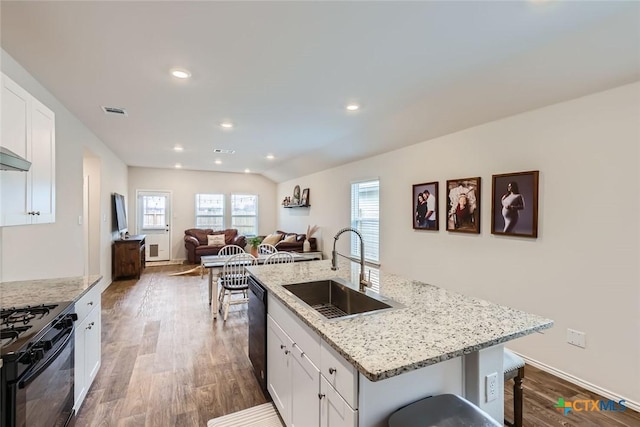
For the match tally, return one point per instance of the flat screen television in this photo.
(119, 214)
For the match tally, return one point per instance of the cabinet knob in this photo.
(321, 396)
(282, 346)
(90, 325)
(287, 352)
(332, 371)
(90, 303)
(37, 212)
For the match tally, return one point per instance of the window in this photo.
(244, 214)
(210, 211)
(365, 217)
(154, 209)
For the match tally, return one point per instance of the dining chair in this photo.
(226, 251)
(234, 280)
(266, 249)
(279, 258)
(230, 250)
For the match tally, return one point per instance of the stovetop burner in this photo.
(24, 314)
(20, 323)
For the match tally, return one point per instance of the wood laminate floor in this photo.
(165, 363)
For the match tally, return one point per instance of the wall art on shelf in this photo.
(463, 205)
(296, 195)
(425, 206)
(304, 200)
(514, 204)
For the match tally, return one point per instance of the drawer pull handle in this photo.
(90, 303)
(332, 371)
(282, 346)
(321, 396)
(286, 352)
(90, 325)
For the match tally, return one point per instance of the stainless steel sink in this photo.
(336, 300)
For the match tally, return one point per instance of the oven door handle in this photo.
(32, 373)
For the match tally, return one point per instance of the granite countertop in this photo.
(45, 291)
(435, 325)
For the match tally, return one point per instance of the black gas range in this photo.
(37, 349)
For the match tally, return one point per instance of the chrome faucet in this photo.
(364, 283)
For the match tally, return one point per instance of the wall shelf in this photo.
(296, 206)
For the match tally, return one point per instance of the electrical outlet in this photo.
(491, 387)
(577, 338)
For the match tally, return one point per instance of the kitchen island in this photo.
(439, 342)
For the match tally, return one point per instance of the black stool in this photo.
(514, 369)
(444, 410)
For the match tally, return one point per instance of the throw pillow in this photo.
(215, 240)
(290, 239)
(272, 239)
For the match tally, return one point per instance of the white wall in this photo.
(582, 270)
(57, 250)
(185, 184)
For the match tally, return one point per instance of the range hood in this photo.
(10, 161)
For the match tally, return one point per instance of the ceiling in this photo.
(283, 72)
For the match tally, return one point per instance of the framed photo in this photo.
(425, 206)
(296, 195)
(305, 197)
(463, 205)
(514, 204)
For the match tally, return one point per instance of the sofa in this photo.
(196, 242)
(291, 242)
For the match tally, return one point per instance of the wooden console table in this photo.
(128, 257)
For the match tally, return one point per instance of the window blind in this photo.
(210, 211)
(365, 217)
(153, 212)
(244, 213)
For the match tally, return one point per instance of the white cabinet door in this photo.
(305, 408)
(28, 129)
(92, 344)
(16, 136)
(87, 354)
(278, 369)
(334, 411)
(43, 167)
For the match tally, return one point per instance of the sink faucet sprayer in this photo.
(334, 256)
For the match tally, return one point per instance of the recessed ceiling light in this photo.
(180, 73)
(247, 171)
(178, 165)
(226, 125)
(270, 156)
(178, 148)
(218, 162)
(353, 107)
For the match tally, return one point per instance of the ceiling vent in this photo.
(114, 110)
(221, 151)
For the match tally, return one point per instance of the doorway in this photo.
(154, 221)
(91, 213)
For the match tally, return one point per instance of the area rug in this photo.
(264, 415)
(195, 271)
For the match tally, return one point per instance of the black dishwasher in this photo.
(258, 332)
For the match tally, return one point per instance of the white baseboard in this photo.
(582, 383)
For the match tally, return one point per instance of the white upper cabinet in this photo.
(28, 129)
